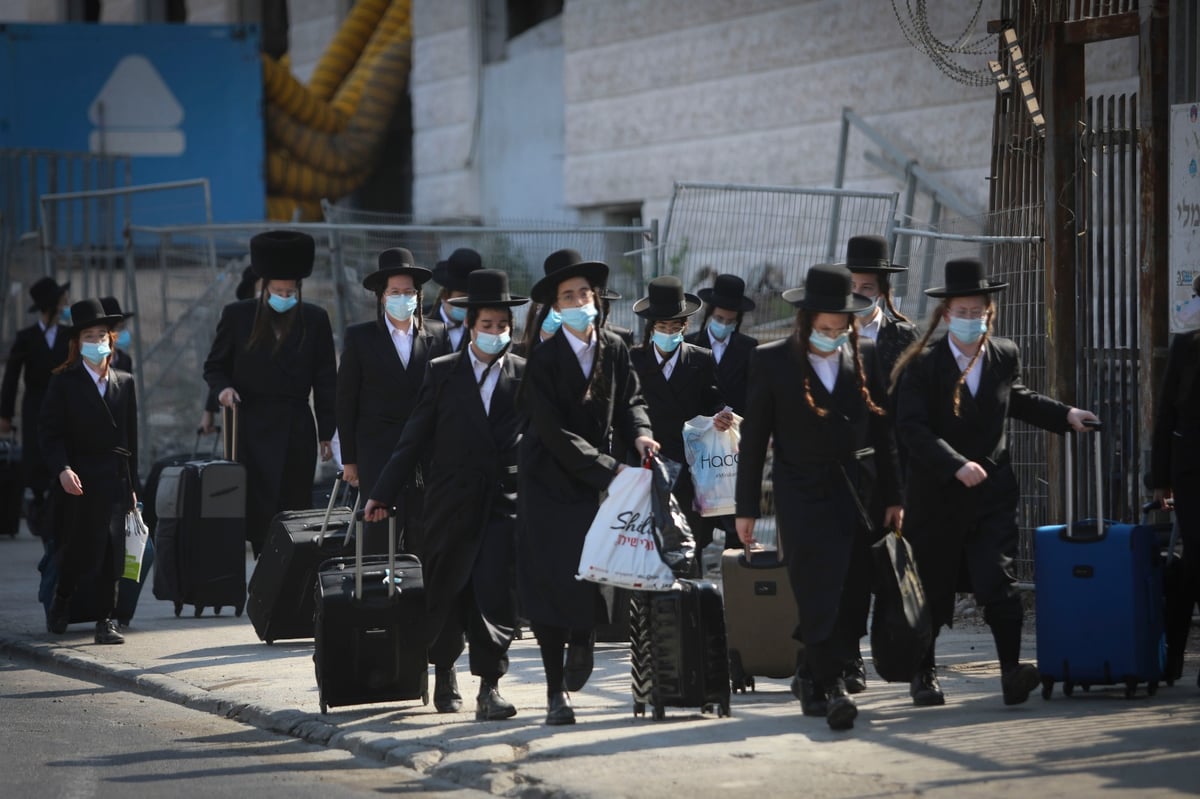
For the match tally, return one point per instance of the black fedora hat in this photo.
(90, 313)
(487, 288)
(563, 265)
(46, 293)
(869, 254)
(111, 307)
(451, 274)
(965, 278)
(245, 287)
(728, 292)
(666, 299)
(396, 261)
(827, 289)
(282, 255)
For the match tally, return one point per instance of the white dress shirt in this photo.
(454, 329)
(871, 329)
(402, 340)
(826, 368)
(671, 361)
(718, 347)
(50, 332)
(101, 382)
(585, 351)
(489, 386)
(962, 360)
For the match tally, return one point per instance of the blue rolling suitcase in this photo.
(1099, 600)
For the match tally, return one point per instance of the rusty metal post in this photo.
(1153, 126)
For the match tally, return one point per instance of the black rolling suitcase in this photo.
(12, 485)
(369, 643)
(678, 649)
(280, 601)
(150, 487)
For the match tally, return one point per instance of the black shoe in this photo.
(1018, 682)
(490, 706)
(855, 677)
(812, 701)
(106, 633)
(841, 710)
(446, 698)
(559, 710)
(580, 661)
(925, 690)
(59, 615)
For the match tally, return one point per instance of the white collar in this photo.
(96, 378)
(659, 356)
(580, 346)
(477, 364)
(393, 329)
(959, 354)
(876, 323)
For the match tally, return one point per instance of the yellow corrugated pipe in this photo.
(290, 96)
(285, 209)
(303, 182)
(339, 58)
(395, 25)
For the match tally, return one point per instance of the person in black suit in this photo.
(954, 400)
(578, 386)
(120, 356)
(726, 305)
(1175, 474)
(247, 288)
(88, 430)
(467, 420)
(451, 276)
(679, 382)
(383, 364)
(819, 393)
(35, 352)
(269, 355)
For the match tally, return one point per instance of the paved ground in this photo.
(974, 746)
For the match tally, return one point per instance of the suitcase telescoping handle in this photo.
(216, 432)
(358, 552)
(338, 481)
(230, 439)
(1069, 532)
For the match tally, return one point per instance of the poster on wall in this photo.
(1184, 247)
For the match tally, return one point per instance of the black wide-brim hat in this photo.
(91, 313)
(869, 255)
(665, 299)
(45, 293)
(451, 274)
(827, 289)
(282, 255)
(112, 306)
(728, 292)
(965, 277)
(487, 288)
(245, 287)
(563, 265)
(396, 261)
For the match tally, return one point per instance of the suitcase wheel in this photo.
(217, 610)
(238, 611)
(639, 709)
(178, 608)
(1130, 688)
(750, 683)
(199, 611)
(1151, 688)
(425, 697)
(660, 712)
(324, 708)
(1068, 688)
(270, 641)
(1047, 687)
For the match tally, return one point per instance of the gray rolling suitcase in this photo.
(760, 616)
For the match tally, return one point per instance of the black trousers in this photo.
(484, 612)
(828, 659)
(90, 531)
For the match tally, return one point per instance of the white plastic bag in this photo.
(136, 534)
(619, 549)
(712, 458)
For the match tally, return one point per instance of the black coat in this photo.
(438, 326)
(471, 474)
(376, 393)
(1176, 438)
(277, 439)
(565, 465)
(817, 517)
(733, 368)
(938, 508)
(895, 336)
(32, 356)
(122, 360)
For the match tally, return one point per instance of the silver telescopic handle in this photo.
(358, 552)
(1069, 448)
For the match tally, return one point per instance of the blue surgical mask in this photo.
(579, 319)
(667, 342)
(552, 322)
(458, 314)
(124, 339)
(869, 310)
(400, 306)
(94, 352)
(281, 304)
(968, 331)
(720, 330)
(824, 343)
(65, 315)
(492, 343)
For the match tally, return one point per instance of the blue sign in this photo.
(184, 101)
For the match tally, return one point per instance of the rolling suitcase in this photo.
(677, 649)
(369, 637)
(150, 488)
(1099, 600)
(280, 601)
(12, 485)
(760, 616)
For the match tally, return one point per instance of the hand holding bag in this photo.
(136, 535)
(620, 548)
(712, 457)
(901, 629)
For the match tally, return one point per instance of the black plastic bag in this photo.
(901, 629)
(672, 534)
